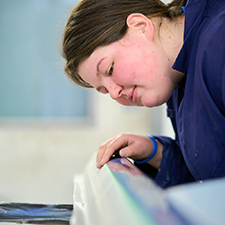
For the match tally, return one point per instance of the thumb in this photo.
(123, 152)
(127, 151)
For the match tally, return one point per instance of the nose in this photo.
(114, 90)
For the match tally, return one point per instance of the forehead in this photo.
(90, 63)
(88, 68)
(96, 57)
(110, 52)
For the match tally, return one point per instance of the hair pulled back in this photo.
(95, 23)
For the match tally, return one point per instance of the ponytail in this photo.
(175, 8)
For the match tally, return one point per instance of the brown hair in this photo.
(95, 23)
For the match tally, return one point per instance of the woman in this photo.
(146, 53)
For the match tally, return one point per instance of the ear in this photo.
(141, 23)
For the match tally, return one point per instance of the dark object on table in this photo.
(35, 213)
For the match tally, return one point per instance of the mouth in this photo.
(133, 94)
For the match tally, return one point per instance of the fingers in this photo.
(107, 149)
(128, 145)
(101, 151)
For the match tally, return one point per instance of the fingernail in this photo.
(98, 165)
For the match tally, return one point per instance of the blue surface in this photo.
(194, 203)
(146, 194)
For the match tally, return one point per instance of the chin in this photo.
(151, 104)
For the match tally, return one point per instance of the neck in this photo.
(170, 35)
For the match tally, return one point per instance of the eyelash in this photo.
(111, 70)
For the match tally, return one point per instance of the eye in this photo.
(110, 72)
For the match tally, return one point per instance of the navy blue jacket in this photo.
(197, 106)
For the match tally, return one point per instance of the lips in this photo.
(133, 94)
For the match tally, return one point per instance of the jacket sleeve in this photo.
(172, 170)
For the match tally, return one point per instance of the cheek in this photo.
(143, 67)
(126, 73)
(126, 66)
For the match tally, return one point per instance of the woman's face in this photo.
(135, 71)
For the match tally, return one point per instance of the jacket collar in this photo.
(194, 14)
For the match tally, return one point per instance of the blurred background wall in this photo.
(49, 127)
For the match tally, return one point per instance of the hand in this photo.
(138, 147)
